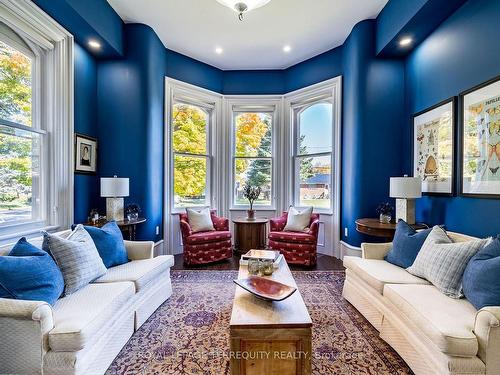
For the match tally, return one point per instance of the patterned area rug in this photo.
(189, 333)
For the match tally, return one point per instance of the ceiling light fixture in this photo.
(94, 44)
(218, 50)
(243, 6)
(287, 48)
(405, 41)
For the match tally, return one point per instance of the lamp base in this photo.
(114, 209)
(405, 210)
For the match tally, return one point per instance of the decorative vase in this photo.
(385, 219)
(251, 214)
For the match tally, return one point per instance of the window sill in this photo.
(31, 232)
(243, 208)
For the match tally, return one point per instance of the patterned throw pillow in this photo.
(77, 258)
(442, 261)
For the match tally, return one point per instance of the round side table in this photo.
(249, 234)
(373, 227)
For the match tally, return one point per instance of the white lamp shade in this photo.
(406, 187)
(114, 187)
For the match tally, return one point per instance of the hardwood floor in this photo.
(324, 263)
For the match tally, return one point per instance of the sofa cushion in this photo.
(481, 282)
(76, 257)
(29, 273)
(294, 237)
(82, 316)
(406, 244)
(109, 243)
(445, 321)
(442, 261)
(140, 272)
(205, 237)
(377, 273)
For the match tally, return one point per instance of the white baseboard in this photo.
(349, 250)
(159, 248)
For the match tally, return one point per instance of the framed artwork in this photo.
(434, 148)
(480, 140)
(85, 154)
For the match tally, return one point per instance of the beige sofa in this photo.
(433, 333)
(83, 332)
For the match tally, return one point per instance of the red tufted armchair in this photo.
(297, 247)
(206, 247)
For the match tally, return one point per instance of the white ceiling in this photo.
(196, 27)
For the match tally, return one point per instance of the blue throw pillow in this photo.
(481, 284)
(406, 245)
(30, 273)
(109, 243)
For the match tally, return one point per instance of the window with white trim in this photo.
(253, 151)
(313, 154)
(191, 154)
(36, 122)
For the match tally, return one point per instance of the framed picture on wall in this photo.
(434, 148)
(85, 154)
(480, 140)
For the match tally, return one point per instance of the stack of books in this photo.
(275, 256)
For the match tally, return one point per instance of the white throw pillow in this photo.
(298, 221)
(200, 221)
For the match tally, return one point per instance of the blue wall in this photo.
(130, 117)
(460, 54)
(86, 186)
(373, 110)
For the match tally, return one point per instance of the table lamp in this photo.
(114, 189)
(405, 190)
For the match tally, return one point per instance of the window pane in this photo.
(15, 85)
(19, 175)
(190, 181)
(189, 124)
(315, 130)
(256, 172)
(253, 134)
(315, 181)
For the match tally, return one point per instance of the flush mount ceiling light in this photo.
(243, 6)
(287, 48)
(94, 44)
(405, 41)
(218, 50)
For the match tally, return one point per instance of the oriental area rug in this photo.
(189, 333)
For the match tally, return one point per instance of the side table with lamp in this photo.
(406, 190)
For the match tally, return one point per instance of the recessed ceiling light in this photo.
(94, 44)
(218, 50)
(287, 48)
(405, 41)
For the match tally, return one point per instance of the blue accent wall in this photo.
(253, 82)
(373, 111)
(85, 111)
(460, 54)
(130, 117)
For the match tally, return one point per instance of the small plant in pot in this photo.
(251, 193)
(385, 212)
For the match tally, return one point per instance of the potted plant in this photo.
(385, 212)
(251, 193)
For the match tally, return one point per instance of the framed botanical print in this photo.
(434, 148)
(480, 140)
(85, 154)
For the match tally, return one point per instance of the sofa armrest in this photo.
(27, 324)
(375, 250)
(137, 250)
(487, 331)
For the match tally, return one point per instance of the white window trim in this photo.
(330, 90)
(55, 111)
(178, 91)
(252, 103)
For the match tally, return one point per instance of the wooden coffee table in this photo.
(270, 337)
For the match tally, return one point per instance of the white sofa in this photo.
(83, 332)
(433, 333)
